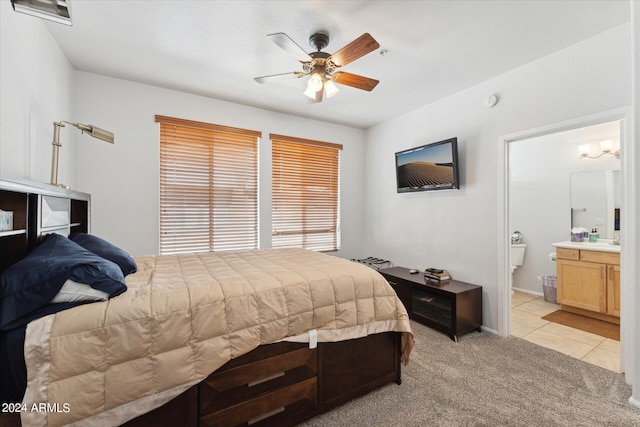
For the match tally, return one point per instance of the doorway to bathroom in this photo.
(541, 170)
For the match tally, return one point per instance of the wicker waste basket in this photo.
(549, 287)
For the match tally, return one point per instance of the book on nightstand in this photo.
(436, 275)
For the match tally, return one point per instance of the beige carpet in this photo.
(584, 323)
(486, 380)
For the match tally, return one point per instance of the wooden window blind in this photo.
(208, 187)
(305, 194)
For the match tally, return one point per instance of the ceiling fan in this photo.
(323, 67)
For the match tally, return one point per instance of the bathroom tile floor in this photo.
(526, 323)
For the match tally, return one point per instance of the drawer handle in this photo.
(265, 416)
(393, 283)
(265, 379)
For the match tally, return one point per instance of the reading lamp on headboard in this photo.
(95, 132)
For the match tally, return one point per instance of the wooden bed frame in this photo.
(278, 384)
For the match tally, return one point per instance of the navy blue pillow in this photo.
(106, 250)
(33, 281)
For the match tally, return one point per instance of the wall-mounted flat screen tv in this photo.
(428, 167)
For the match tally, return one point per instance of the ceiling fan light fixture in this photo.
(310, 92)
(330, 88)
(314, 85)
(315, 82)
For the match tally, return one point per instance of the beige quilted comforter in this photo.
(185, 316)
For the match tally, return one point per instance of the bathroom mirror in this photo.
(595, 201)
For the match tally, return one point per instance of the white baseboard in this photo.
(527, 291)
(489, 330)
(634, 402)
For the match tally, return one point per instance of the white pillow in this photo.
(73, 292)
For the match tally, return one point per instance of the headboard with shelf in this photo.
(38, 209)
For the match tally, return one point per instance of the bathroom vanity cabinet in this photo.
(589, 282)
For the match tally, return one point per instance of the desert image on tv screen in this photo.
(425, 168)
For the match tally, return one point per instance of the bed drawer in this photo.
(272, 408)
(273, 381)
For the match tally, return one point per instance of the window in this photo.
(208, 187)
(305, 194)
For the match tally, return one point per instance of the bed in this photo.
(261, 337)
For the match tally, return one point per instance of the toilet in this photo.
(516, 256)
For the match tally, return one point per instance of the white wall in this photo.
(36, 86)
(457, 229)
(539, 194)
(123, 178)
(630, 337)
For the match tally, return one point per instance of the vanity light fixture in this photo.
(94, 131)
(52, 10)
(606, 146)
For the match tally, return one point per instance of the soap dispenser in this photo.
(594, 236)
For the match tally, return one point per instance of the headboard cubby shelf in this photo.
(38, 209)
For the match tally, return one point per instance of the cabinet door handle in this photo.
(393, 283)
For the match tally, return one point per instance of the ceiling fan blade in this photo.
(354, 80)
(288, 45)
(267, 79)
(354, 50)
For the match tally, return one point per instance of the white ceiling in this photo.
(216, 48)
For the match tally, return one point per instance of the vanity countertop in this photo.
(602, 245)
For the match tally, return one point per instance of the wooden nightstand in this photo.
(454, 307)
